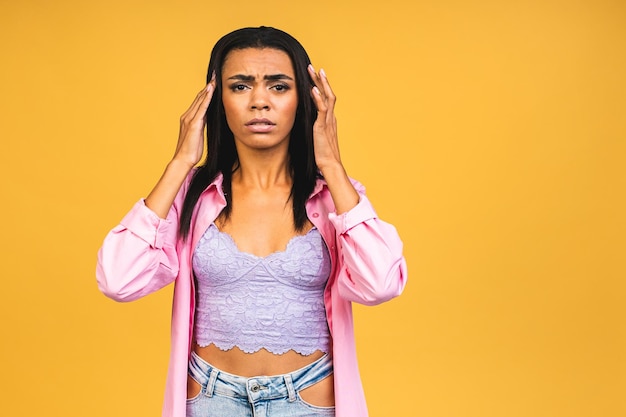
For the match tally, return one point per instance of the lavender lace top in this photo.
(274, 302)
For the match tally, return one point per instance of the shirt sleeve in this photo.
(139, 255)
(372, 268)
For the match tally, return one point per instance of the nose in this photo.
(259, 99)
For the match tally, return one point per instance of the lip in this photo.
(260, 125)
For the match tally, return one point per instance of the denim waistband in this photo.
(215, 381)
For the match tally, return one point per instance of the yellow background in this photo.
(491, 133)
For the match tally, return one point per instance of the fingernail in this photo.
(213, 75)
(311, 67)
(316, 91)
(323, 72)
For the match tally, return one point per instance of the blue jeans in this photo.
(226, 395)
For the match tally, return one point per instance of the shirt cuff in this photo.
(145, 223)
(360, 213)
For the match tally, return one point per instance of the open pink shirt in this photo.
(143, 254)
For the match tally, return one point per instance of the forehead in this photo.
(257, 62)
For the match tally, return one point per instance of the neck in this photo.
(263, 170)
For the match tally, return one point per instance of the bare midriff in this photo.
(237, 362)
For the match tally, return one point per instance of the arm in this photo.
(371, 266)
(326, 145)
(139, 255)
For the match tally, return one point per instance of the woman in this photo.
(268, 243)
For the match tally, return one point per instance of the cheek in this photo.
(291, 107)
(226, 103)
(230, 109)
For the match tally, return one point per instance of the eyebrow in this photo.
(273, 77)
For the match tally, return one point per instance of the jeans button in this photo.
(255, 388)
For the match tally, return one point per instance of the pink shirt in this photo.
(143, 254)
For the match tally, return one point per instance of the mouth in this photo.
(260, 126)
(260, 122)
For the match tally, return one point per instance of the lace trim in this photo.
(225, 347)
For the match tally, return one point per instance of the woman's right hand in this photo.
(192, 124)
(188, 153)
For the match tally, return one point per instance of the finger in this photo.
(200, 96)
(327, 91)
(194, 104)
(206, 99)
(200, 103)
(316, 79)
(317, 90)
(204, 104)
(320, 103)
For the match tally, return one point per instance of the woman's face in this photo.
(260, 97)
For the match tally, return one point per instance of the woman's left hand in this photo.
(325, 128)
(326, 144)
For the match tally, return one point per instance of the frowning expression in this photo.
(260, 97)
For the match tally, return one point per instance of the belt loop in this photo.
(290, 388)
(210, 386)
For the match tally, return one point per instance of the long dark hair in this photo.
(221, 152)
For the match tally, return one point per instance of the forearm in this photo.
(162, 196)
(344, 195)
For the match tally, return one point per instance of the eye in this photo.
(238, 87)
(280, 87)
